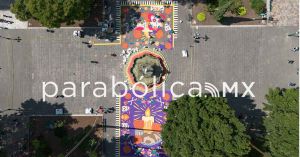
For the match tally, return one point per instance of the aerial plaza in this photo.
(149, 78)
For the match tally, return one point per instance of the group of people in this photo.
(6, 21)
(105, 110)
(295, 50)
(197, 37)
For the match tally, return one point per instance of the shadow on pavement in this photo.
(247, 112)
(5, 4)
(252, 118)
(231, 20)
(59, 134)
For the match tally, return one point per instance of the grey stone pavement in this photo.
(285, 14)
(232, 54)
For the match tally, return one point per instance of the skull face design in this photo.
(155, 22)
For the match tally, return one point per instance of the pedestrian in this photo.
(18, 39)
(95, 62)
(50, 30)
(90, 43)
(92, 110)
(60, 96)
(291, 61)
(291, 84)
(7, 16)
(295, 49)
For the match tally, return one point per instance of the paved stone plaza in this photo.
(256, 54)
(231, 54)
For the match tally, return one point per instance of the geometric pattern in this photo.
(140, 123)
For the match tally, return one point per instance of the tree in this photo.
(282, 122)
(220, 7)
(19, 8)
(258, 5)
(41, 147)
(51, 13)
(221, 10)
(203, 127)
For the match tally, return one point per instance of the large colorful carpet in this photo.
(147, 25)
(141, 120)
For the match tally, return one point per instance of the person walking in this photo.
(291, 84)
(295, 49)
(94, 62)
(291, 61)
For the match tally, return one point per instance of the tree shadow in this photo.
(247, 112)
(129, 18)
(251, 117)
(231, 20)
(31, 107)
(103, 23)
(15, 125)
(98, 34)
(189, 2)
(60, 134)
(109, 147)
(5, 4)
(95, 15)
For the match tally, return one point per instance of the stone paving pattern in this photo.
(258, 54)
(285, 13)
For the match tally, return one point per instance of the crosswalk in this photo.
(175, 16)
(117, 150)
(118, 19)
(124, 3)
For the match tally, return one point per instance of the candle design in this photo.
(148, 120)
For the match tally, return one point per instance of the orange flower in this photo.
(145, 15)
(168, 10)
(159, 34)
(124, 45)
(128, 96)
(167, 97)
(137, 34)
(168, 45)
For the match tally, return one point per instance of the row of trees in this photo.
(51, 13)
(208, 127)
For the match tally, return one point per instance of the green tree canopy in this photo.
(221, 7)
(203, 127)
(282, 122)
(51, 13)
